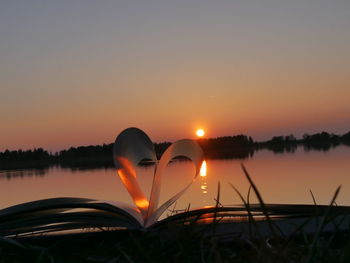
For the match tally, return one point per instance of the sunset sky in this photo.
(79, 72)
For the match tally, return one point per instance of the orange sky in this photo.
(78, 73)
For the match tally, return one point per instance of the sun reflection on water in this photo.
(203, 170)
(204, 185)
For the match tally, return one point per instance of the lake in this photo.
(281, 178)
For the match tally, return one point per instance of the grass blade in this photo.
(321, 226)
(261, 202)
(250, 215)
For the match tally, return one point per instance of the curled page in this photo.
(133, 146)
(186, 148)
(130, 148)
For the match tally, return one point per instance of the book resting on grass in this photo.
(132, 147)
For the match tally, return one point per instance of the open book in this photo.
(131, 147)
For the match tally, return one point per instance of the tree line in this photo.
(238, 146)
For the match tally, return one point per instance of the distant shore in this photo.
(227, 147)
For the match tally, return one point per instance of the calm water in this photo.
(284, 178)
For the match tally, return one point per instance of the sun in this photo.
(200, 132)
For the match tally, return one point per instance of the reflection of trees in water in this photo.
(87, 165)
(322, 141)
(100, 156)
(11, 174)
(228, 147)
(316, 142)
(282, 144)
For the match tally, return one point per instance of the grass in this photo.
(185, 239)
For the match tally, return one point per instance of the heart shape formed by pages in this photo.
(133, 146)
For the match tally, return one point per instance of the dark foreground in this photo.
(264, 233)
(177, 244)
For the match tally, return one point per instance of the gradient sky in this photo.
(78, 72)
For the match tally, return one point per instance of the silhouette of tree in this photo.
(238, 146)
